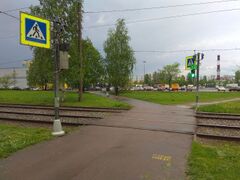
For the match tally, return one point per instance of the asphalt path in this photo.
(149, 142)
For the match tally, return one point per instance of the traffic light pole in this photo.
(198, 66)
(57, 126)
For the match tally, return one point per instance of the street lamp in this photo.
(144, 62)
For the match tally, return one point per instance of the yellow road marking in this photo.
(161, 157)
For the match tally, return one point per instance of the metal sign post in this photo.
(57, 126)
(199, 56)
(35, 31)
(198, 64)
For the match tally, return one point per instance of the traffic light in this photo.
(193, 75)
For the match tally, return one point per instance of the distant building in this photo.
(222, 78)
(20, 72)
(228, 77)
(211, 77)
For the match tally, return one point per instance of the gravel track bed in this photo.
(218, 117)
(86, 109)
(218, 131)
(48, 118)
(219, 122)
(51, 112)
(218, 114)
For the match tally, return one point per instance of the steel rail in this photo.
(83, 109)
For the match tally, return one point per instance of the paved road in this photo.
(128, 149)
(150, 116)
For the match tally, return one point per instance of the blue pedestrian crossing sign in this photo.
(190, 62)
(34, 31)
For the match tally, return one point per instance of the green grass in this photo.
(171, 98)
(214, 162)
(46, 98)
(229, 107)
(13, 138)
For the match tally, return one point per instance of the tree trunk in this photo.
(169, 83)
(116, 91)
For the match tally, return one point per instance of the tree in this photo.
(93, 66)
(7, 81)
(237, 76)
(14, 78)
(67, 12)
(170, 72)
(162, 77)
(40, 72)
(155, 78)
(181, 80)
(148, 79)
(119, 56)
(203, 81)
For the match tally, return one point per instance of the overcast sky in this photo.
(211, 31)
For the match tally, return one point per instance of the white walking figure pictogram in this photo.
(35, 32)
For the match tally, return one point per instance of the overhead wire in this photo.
(17, 9)
(140, 9)
(186, 50)
(166, 17)
(159, 7)
(7, 14)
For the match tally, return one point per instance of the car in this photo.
(148, 88)
(97, 88)
(234, 88)
(221, 88)
(104, 89)
(183, 88)
(36, 89)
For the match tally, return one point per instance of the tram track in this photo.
(68, 108)
(220, 126)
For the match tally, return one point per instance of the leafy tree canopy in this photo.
(119, 56)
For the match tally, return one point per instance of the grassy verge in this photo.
(214, 162)
(171, 98)
(46, 98)
(229, 107)
(13, 138)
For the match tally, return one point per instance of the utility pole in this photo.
(197, 93)
(144, 62)
(80, 48)
(57, 126)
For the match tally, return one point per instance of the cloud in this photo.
(101, 20)
(220, 30)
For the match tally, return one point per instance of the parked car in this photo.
(36, 89)
(234, 88)
(148, 88)
(137, 88)
(221, 88)
(190, 87)
(183, 88)
(104, 89)
(175, 87)
(97, 88)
